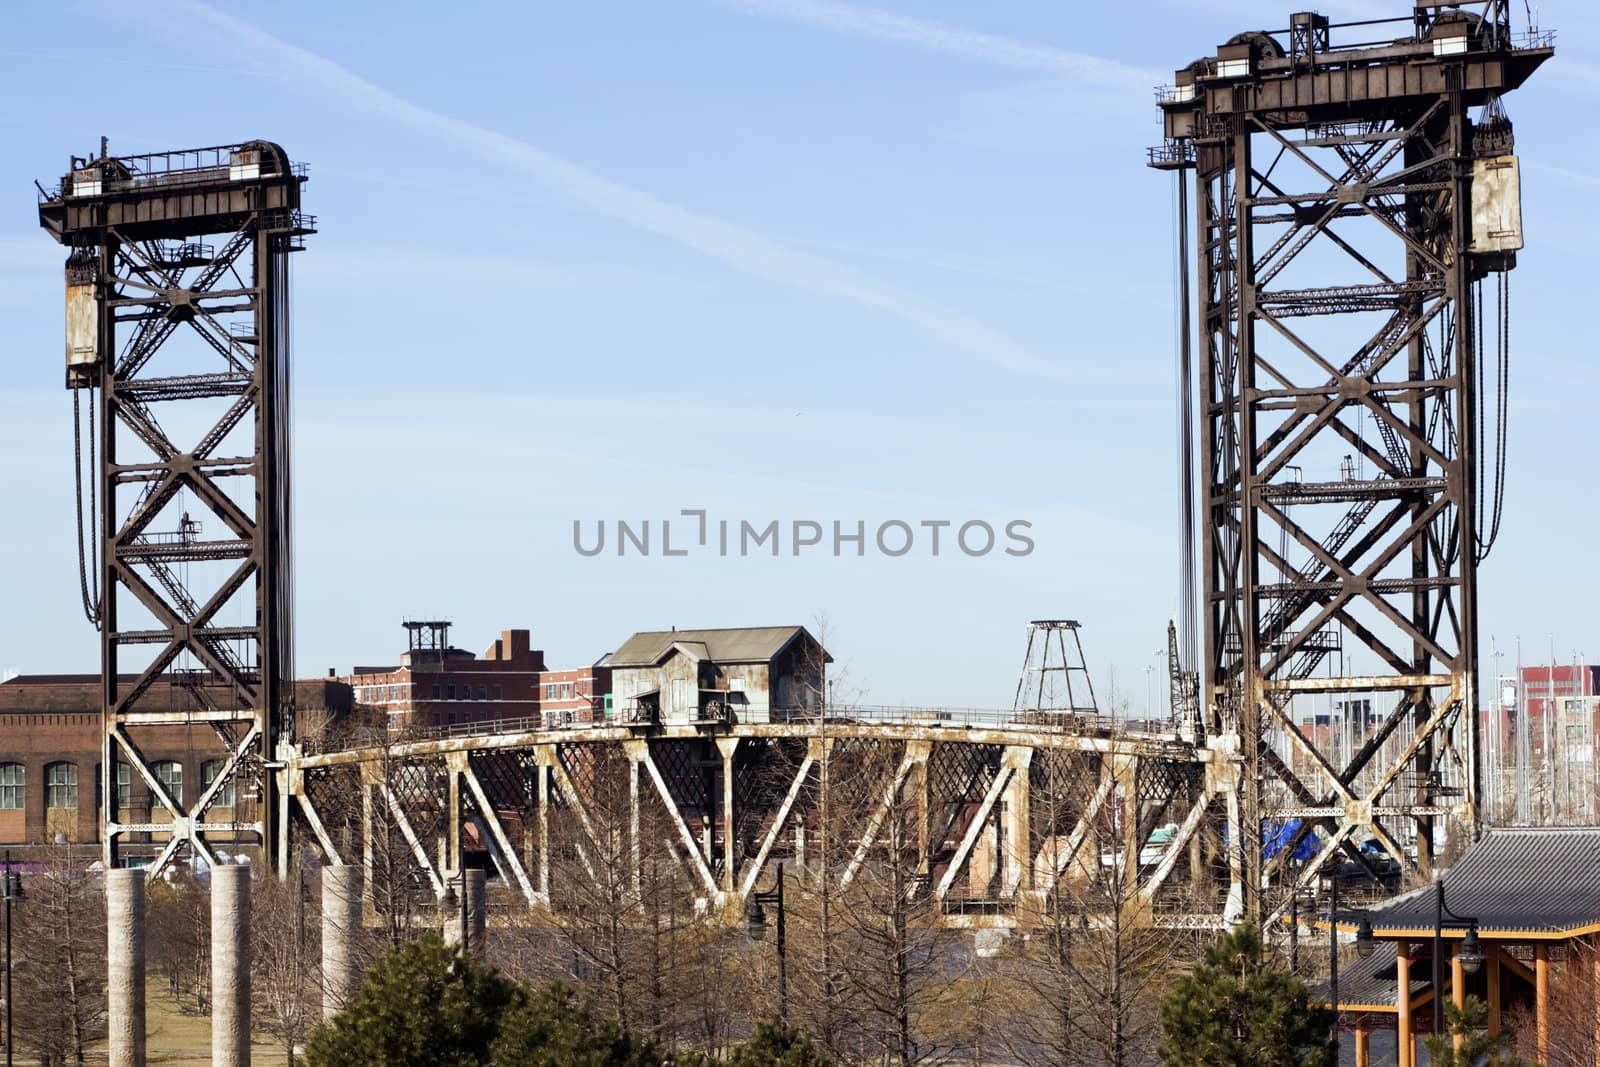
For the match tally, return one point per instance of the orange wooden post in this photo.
(1595, 994)
(1404, 1049)
(1541, 998)
(1458, 989)
(1363, 1045)
(1493, 982)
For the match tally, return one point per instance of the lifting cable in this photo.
(89, 588)
(1494, 501)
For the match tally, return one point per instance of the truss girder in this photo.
(198, 329)
(1389, 565)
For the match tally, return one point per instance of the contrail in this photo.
(735, 246)
(954, 40)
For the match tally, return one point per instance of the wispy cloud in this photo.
(1566, 173)
(953, 40)
(735, 246)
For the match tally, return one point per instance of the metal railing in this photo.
(1078, 723)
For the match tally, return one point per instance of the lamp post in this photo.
(1470, 953)
(1333, 956)
(756, 923)
(12, 890)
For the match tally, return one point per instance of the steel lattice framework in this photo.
(178, 302)
(1004, 812)
(1309, 162)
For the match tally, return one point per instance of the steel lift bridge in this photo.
(177, 352)
(1346, 195)
(177, 357)
(985, 816)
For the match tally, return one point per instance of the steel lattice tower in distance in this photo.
(1352, 187)
(178, 332)
(1055, 678)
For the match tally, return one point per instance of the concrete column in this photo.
(230, 966)
(341, 920)
(125, 967)
(451, 927)
(728, 747)
(476, 885)
(1405, 1047)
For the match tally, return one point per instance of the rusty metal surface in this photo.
(1332, 171)
(138, 277)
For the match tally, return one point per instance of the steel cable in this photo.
(91, 603)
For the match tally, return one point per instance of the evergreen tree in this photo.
(1477, 1046)
(554, 1029)
(776, 1045)
(1237, 1009)
(423, 1005)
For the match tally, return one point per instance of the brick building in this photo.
(50, 735)
(570, 697)
(439, 686)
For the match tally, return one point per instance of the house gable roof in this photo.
(751, 644)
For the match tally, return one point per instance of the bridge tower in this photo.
(177, 350)
(1354, 194)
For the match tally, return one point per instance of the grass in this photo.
(174, 1038)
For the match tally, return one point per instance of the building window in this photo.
(61, 786)
(483, 692)
(550, 691)
(13, 786)
(436, 690)
(124, 787)
(498, 692)
(450, 691)
(170, 774)
(208, 774)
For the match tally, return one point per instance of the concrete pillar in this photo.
(451, 927)
(341, 920)
(230, 966)
(476, 884)
(728, 747)
(125, 967)
(1405, 1047)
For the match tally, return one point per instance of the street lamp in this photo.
(11, 890)
(756, 925)
(1333, 945)
(1470, 953)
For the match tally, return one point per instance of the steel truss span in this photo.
(178, 348)
(1350, 196)
(985, 824)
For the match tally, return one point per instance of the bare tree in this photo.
(59, 981)
(283, 960)
(178, 938)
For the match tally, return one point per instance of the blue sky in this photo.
(778, 259)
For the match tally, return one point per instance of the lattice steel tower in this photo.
(178, 303)
(1352, 188)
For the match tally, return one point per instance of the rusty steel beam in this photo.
(138, 275)
(1277, 139)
